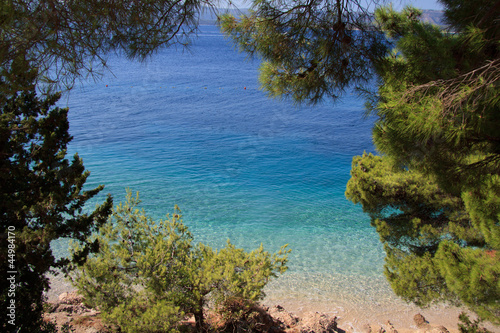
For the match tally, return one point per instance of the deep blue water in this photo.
(192, 128)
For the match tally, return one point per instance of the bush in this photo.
(148, 275)
(470, 326)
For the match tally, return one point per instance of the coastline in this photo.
(352, 317)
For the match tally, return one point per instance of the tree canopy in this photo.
(46, 45)
(65, 40)
(310, 49)
(433, 193)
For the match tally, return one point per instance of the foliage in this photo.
(148, 274)
(438, 109)
(434, 194)
(47, 45)
(240, 315)
(468, 326)
(64, 40)
(310, 49)
(41, 200)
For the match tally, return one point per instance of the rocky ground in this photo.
(71, 315)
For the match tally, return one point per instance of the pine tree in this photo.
(433, 194)
(148, 274)
(438, 108)
(66, 40)
(46, 45)
(41, 200)
(309, 49)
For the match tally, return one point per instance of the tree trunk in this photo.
(198, 317)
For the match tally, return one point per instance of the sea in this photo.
(192, 128)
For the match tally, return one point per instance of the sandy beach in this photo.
(354, 317)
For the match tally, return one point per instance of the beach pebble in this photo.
(318, 323)
(420, 320)
(279, 313)
(70, 298)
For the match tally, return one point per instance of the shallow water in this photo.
(193, 129)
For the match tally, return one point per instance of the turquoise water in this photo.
(192, 128)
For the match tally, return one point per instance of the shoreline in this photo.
(351, 317)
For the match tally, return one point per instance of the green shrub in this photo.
(148, 275)
(470, 326)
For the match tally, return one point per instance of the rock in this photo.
(390, 328)
(280, 314)
(70, 311)
(437, 329)
(89, 324)
(68, 308)
(318, 323)
(420, 320)
(426, 327)
(70, 298)
(51, 307)
(85, 323)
